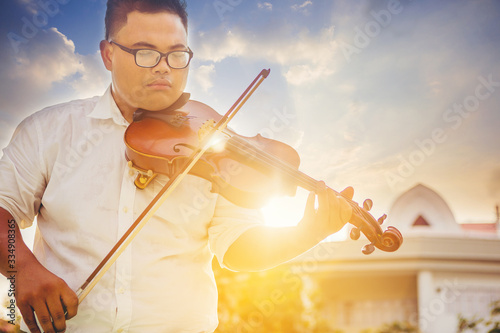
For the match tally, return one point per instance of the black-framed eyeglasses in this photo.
(148, 58)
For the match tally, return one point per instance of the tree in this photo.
(492, 324)
(271, 301)
(395, 327)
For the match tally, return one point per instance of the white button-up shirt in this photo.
(67, 166)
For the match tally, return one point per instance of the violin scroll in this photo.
(363, 222)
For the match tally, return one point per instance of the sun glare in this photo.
(285, 211)
(217, 143)
(288, 211)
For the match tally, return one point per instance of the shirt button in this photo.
(120, 330)
(121, 290)
(125, 209)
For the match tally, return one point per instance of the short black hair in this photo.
(117, 11)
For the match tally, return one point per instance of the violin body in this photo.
(160, 142)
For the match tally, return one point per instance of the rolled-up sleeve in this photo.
(21, 175)
(230, 222)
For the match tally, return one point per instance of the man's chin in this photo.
(158, 103)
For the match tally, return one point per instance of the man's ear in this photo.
(106, 54)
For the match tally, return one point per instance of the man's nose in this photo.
(162, 66)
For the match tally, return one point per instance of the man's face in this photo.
(148, 88)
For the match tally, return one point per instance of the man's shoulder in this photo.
(74, 108)
(58, 115)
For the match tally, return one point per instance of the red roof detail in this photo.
(420, 221)
(481, 227)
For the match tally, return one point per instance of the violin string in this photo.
(269, 160)
(272, 161)
(241, 145)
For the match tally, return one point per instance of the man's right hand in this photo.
(40, 292)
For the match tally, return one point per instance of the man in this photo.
(66, 165)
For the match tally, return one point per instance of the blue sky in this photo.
(381, 95)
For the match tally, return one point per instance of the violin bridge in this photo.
(143, 177)
(205, 129)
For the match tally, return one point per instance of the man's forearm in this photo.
(37, 289)
(13, 250)
(265, 247)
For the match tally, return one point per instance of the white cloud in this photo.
(265, 6)
(45, 71)
(202, 76)
(93, 78)
(215, 48)
(308, 56)
(302, 7)
(29, 5)
(48, 59)
(302, 74)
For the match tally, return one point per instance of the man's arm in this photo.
(37, 289)
(264, 247)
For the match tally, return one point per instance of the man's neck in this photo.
(126, 111)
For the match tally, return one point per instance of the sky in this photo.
(379, 95)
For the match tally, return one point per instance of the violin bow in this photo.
(165, 192)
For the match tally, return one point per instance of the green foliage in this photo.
(395, 327)
(491, 324)
(271, 301)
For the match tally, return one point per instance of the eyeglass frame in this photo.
(134, 53)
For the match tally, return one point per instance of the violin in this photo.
(190, 137)
(245, 170)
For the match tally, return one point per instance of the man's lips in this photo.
(159, 84)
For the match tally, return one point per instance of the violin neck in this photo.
(268, 163)
(306, 182)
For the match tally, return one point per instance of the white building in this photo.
(442, 269)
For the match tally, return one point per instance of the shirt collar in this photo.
(106, 108)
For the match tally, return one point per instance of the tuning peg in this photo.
(355, 233)
(382, 219)
(348, 192)
(367, 204)
(368, 248)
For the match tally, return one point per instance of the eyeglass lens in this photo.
(150, 58)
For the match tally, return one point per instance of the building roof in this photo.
(489, 228)
(422, 210)
(422, 207)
